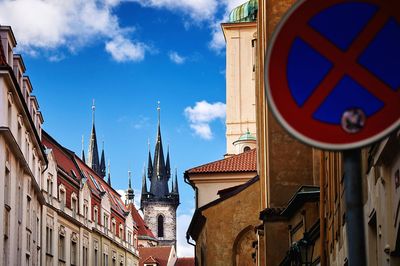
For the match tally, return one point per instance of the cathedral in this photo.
(159, 203)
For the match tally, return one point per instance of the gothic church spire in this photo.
(93, 153)
(102, 167)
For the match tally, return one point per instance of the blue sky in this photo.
(128, 55)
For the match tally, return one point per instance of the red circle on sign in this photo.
(298, 120)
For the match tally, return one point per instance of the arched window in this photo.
(160, 226)
(247, 148)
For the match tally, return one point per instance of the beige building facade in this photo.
(22, 160)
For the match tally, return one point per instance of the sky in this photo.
(127, 55)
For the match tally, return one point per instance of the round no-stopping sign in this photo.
(333, 72)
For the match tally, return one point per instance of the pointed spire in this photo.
(102, 168)
(144, 188)
(159, 162)
(167, 164)
(83, 150)
(93, 153)
(175, 189)
(109, 174)
(144, 184)
(150, 164)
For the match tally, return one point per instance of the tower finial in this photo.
(129, 178)
(159, 111)
(93, 110)
(83, 150)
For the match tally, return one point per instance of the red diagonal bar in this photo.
(345, 63)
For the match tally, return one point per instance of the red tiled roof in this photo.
(62, 156)
(143, 229)
(161, 254)
(185, 262)
(115, 199)
(243, 162)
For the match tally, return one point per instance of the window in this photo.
(27, 149)
(49, 240)
(85, 256)
(105, 259)
(9, 117)
(95, 215)
(113, 226)
(129, 238)
(73, 253)
(6, 235)
(96, 253)
(160, 228)
(105, 220)
(28, 212)
(50, 185)
(121, 232)
(19, 133)
(73, 205)
(61, 248)
(62, 197)
(85, 211)
(19, 203)
(7, 180)
(28, 241)
(246, 148)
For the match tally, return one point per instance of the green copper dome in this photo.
(247, 136)
(246, 12)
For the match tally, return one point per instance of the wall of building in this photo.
(227, 236)
(382, 207)
(21, 162)
(208, 185)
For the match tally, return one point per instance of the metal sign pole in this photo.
(354, 208)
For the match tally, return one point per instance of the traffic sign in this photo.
(333, 72)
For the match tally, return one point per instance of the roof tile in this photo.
(243, 162)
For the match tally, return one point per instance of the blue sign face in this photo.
(330, 59)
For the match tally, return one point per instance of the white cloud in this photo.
(184, 249)
(49, 25)
(217, 42)
(176, 58)
(202, 114)
(122, 49)
(198, 10)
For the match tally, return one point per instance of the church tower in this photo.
(159, 203)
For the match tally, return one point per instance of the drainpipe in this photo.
(321, 207)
